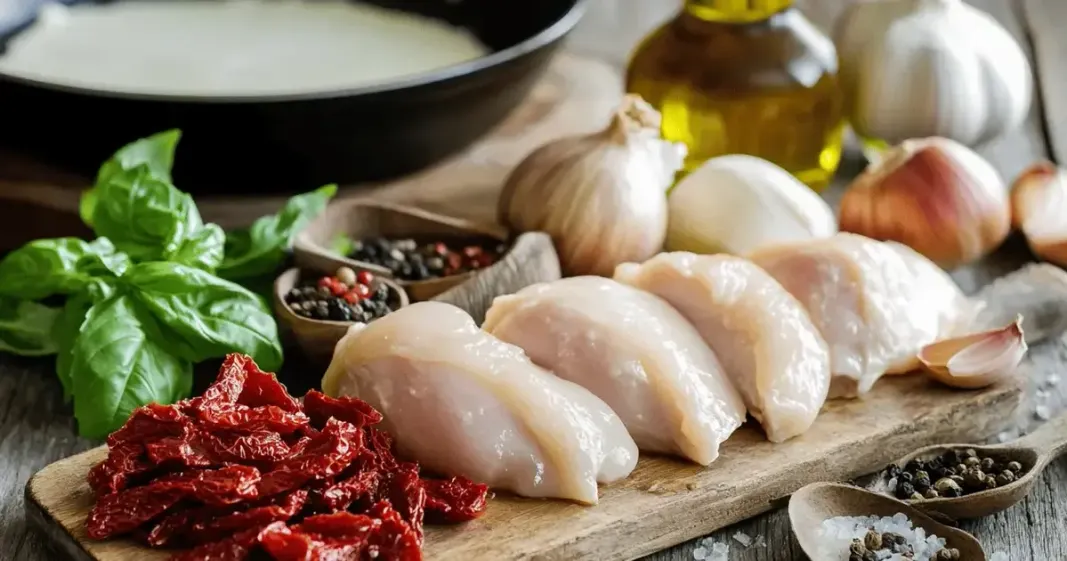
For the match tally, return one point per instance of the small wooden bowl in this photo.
(360, 219)
(315, 337)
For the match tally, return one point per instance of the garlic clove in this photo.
(933, 195)
(1039, 210)
(977, 360)
(735, 204)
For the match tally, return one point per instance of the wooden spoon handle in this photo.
(1050, 439)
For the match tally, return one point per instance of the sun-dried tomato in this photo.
(149, 422)
(325, 455)
(229, 470)
(178, 451)
(263, 388)
(320, 407)
(256, 447)
(234, 548)
(283, 509)
(394, 539)
(227, 386)
(122, 512)
(406, 495)
(124, 461)
(450, 501)
(241, 418)
(341, 494)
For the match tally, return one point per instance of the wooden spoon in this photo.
(1034, 451)
(814, 503)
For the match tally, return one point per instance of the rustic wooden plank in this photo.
(1045, 20)
(664, 501)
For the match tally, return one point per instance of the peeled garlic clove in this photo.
(736, 204)
(978, 360)
(1039, 209)
(602, 197)
(933, 195)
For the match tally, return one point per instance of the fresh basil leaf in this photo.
(26, 327)
(209, 316)
(143, 215)
(262, 248)
(342, 245)
(65, 332)
(203, 250)
(156, 152)
(118, 364)
(42, 268)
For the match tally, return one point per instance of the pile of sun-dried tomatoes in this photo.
(246, 469)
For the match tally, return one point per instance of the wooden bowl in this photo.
(361, 219)
(316, 337)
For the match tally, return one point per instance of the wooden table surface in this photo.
(36, 427)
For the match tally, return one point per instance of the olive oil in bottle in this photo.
(745, 77)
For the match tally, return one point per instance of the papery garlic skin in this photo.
(933, 195)
(601, 197)
(977, 360)
(1039, 210)
(917, 68)
(735, 204)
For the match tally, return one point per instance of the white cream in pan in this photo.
(232, 47)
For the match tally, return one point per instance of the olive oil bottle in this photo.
(745, 77)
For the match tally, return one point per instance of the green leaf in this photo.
(118, 365)
(203, 250)
(65, 332)
(342, 245)
(143, 215)
(156, 152)
(43, 268)
(210, 317)
(262, 248)
(26, 327)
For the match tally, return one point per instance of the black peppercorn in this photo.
(931, 493)
(1005, 477)
(987, 464)
(972, 461)
(905, 490)
(990, 482)
(893, 470)
(906, 477)
(857, 547)
(1015, 467)
(974, 479)
(913, 466)
(970, 453)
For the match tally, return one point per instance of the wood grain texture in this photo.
(664, 501)
(36, 427)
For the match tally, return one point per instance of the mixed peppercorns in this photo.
(952, 474)
(345, 296)
(410, 260)
(875, 546)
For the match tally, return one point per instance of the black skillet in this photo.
(290, 143)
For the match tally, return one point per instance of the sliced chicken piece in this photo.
(632, 350)
(767, 344)
(461, 402)
(876, 303)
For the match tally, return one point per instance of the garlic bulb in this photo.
(1039, 209)
(918, 68)
(601, 197)
(735, 204)
(978, 360)
(933, 195)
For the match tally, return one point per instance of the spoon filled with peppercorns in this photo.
(961, 481)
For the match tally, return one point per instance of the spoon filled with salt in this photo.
(973, 481)
(834, 521)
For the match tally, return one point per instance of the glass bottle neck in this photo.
(735, 11)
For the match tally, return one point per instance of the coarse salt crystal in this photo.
(743, 539)
(760, 542)
(1052, 380)
(1042, 412)
(891, 486)
(700, 553)
(1004, 436)
(719, 552)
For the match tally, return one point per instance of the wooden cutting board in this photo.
(664, 502)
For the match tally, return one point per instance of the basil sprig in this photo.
(155, 293)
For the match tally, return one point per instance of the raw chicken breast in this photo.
(633, 351)
(461, 402)
(767, 344)
(876, 303)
